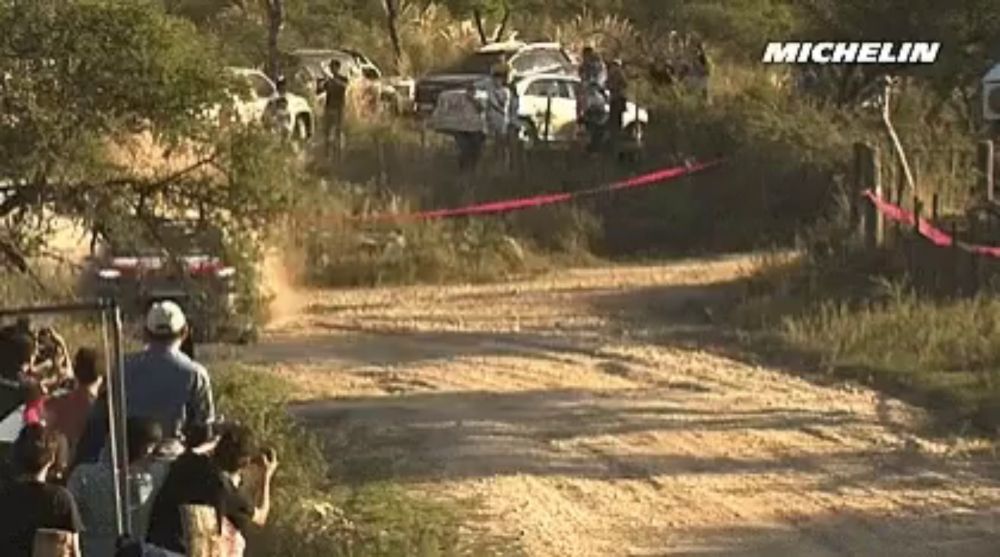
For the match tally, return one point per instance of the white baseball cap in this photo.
(165, 318)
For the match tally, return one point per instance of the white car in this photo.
(543, 120)
(261, 91)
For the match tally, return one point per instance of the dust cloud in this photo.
(279, 280)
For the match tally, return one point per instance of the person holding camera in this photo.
(212, 475)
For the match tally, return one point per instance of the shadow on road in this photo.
(669, 431)
(473, 435)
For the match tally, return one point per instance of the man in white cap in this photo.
(161, 383)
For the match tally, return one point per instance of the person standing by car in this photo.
(335, 89)
(472, 137)
(592, 108)
(618, 97)
(592, 69)
(702, 71)
(277, 116)
(498, 107)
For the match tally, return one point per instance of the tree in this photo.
(969, 31)
(392, 9)
(275, 22)
(82, 79)
(498, 33)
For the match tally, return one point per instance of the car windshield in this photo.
(181, 238)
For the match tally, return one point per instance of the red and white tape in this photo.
(517, 204)
(933, 234)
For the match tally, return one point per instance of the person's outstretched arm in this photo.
(263, 506)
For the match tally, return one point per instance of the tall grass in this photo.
(945, 354)
(859, 317)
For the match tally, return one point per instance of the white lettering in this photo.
(925, 53)
(851, 53)
(818, 56)
(886, 56)
(781, 53)
(869, 53)
(804, 53)
(845, 52)
(904, 52)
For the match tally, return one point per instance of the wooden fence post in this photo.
(867, 177)
(916, 244)
(985, 165)
(973, 257)
(956, 259)
(548, 118)
(380, 161)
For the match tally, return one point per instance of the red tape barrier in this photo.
(933, 234)
(509, 205)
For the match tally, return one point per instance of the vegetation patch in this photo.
(862, 321)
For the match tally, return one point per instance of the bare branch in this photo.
(392, 23)
(478, 17)
(502, 28)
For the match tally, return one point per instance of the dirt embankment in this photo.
(581, 427)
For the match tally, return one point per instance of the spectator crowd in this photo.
(57, 482)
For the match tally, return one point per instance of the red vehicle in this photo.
(184, 263)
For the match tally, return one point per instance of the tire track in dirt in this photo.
(582, 430)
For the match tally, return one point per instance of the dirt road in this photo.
(584, 428)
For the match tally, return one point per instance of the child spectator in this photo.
(29, 504)
(92, 485)
(68, 413)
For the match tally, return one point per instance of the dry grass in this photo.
(863, 324)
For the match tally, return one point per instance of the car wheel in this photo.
(636, 132)
(302, 129)
(527, 134)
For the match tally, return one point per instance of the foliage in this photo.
(104, 124)
(939, 353)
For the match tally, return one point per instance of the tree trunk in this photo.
(275, 22)
(392, 23)
(478, 17)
